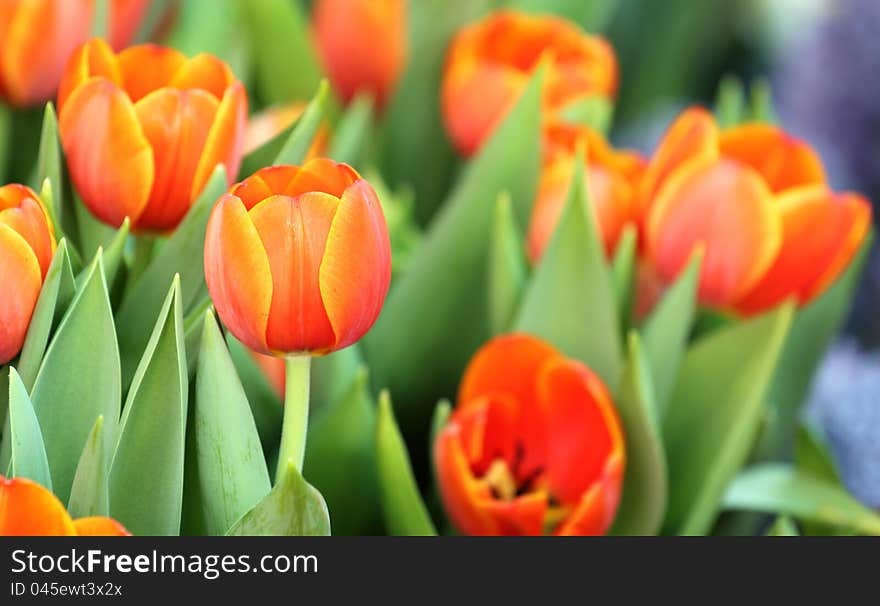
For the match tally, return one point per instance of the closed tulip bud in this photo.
(533, 447)
(757, 202)
(490, 62)
(27, 244)
(362, 44)
(297, 259)
(143, 130)
(611, 177)
(39, 35)
(28, 509)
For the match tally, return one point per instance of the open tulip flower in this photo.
(612, 178)
(533, 447)
(144, 129)
(757, 201)
(28, 509)
(27, 244)
(490, 62)
(39, 35)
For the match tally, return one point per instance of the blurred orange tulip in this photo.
(362, 44)
(143, 130)
(611, 177)
(272, 121)
(757, 201)
(490, 62)
(39, 35)
(28, 509)
(27, 244)
(533, 447)
(297, 259)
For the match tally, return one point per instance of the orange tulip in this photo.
(28, 509)
(297, 259)
(143, 130)
(27, 244)
(611, 179)
(39, 35)
(362, 44)
(533, 447)
(490, 62)
(272, 121)
(757, 201)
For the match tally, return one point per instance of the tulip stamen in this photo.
(500, 479)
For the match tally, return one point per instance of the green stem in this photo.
(143, 254)
(296, 414)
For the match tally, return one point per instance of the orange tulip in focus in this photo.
(533, 447)
(28, 509)
(612, 181)
(490, 62)
(362, 44)
(39, 35)
(272, 121)
(27, 244)
(143, 130)
(757, 201)
(297, 259)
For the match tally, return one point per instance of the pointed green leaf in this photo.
(89, 494)
(714, 415)
(596, 112)
(193, 323)
(28, 452)
(91, 233)
(761, 107)
(353, 135)
(403, 509)
(114, 252)
(623, 274)
(812, 456)
(731, 101)
(293, 508)
(265, 402)
(265, 154)
(508, 268)
(782, 527)
(146, 475)
(441, 417)
(296, 148)
(49, 166)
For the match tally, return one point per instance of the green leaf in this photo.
(341, 460)
(100, 19)
(89, 495)
(782, 527)
(265, 402)
(645, 481)
(441, 416)
(508, 269)
(28, 452)
(761, 106)
(714, 415)
(667, 329)
(182, 254)
(569, 300)
(146, 475)
(193, 323)
(113, 254)
(623, 274)
(403, 509)
(780, 489)
(332, 378)
(91, 233)
(731, 101)
(79, 379)
(593, 15)
(812, 456)
(446, 277)
(352, 138)
(226, 472)
(49, 166)
(293, 508)
(156, 12)
(595, 112)
(296, 147)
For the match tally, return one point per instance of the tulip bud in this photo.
(533, 447)
(362, 44)
(27, 244)
(143, 130)
(28, 509)
(297, 259)
(490, 62)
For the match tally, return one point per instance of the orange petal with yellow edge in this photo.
(19, 270)
(237, 272)
(99, 526)
(597, 508)
(205, 72)
(29, 220)
(324, 175)
(225, 142)
(148, 67)
(726, 208)
(109, 158)
(28, 509)
(821, 233)
(269, 181)
(94, 59)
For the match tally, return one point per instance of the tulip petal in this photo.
(237, 272)
(29, 221)
(725, 207)
(110, 160)
(821, 233)
(597, 507)
(28, 509)
(269, 181)
(225, 141)
(125, 18)
(20, 269)
(324, 175)
(148, 67)
(356, 271)
(98, 526)
(294, 234)
(94, 59)
(522, 516)
(205, 72)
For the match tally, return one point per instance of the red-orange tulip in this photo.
(144, 129)
(611, 178)
(297, 259)
(28, 509)
(38, 36)
(490, 62)
(533, 447)
(27, 244)
(757, 201)
(362, 44)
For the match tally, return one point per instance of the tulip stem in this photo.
(296, 414)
